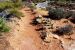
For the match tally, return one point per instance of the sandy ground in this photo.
(23, 35)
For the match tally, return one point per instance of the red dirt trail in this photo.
(24, 37)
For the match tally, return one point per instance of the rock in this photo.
(42, 5)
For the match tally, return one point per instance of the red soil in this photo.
(24, 36)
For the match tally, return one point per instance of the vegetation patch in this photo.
(13, 8)
(3, 26)
(15, 12)
(65, 30)
(72, 18)
(59, 13)
(6, 5)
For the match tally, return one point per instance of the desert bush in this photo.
(36, 1)
(5, 5)
(67, 14)
(72, 18)
(18, 4)
(16, 13)
(9, 4)
(13, 8)
(33, 6)
(59, 13)
(3, 26)
(56, 13)
(16, 1)
(65, 30)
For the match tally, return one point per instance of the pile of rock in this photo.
(43, 26)
(49, 28)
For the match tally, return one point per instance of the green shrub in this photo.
(56, 13)
(68, 14)
(9, 4)
(17, 5)
(5, 5)
(16, 13)
(65, 30)
(32, 6)
(12, 6)
(36, 1)
(3, 26)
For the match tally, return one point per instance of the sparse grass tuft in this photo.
(16, 13)
(3, 26)
(5, 5)
(13, 8)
